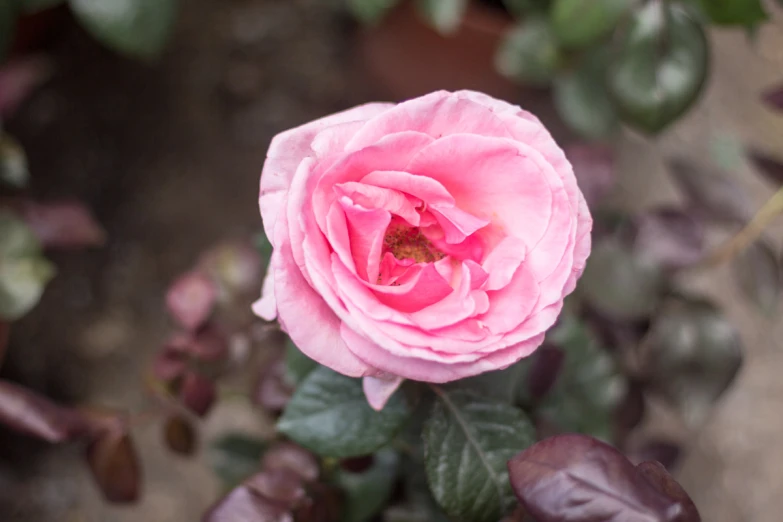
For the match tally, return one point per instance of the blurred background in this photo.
(160, 127)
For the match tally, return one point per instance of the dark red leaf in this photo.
(712, 195)
(272, 392)
(771, 167)
(594, 170)
(209, 343)
(197, 393)
(5, 331)
(291, 457)
(774, 97)
(18, 78)
(656, 474)
(323, 504)
(32, 414)
(190, 299)
(664, 451)
(282, 486)
(544, 370)
(180, 436)
(171, 362)
(114, 463)
(357, 464)
(572, 478)
(670, 237)
(63, 224)
(243, 504)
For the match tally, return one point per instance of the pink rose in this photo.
(430, 240)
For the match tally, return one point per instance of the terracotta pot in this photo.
(407, 58)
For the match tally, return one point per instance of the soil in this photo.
(168, 156)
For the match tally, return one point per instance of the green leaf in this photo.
(367, 493)
(691, 354)
(8, 13)
(501, 385)
(468, 440)
(590, 386)
(33, 6)
(734, 12)
(370, 11)
(298, 365)
(759, 276)
(24, 272)
(444, 15)
(329, 415)
(529, 53)
(582, 100)
(264, 247)
(519, 8)
(578, 23)
(621, 284)
(13, 162)
(234, 457)
(137, 28)
(661, 68)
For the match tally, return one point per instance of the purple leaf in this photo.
(712, 195)
(114, 464)
(180, 436)
(594, 170)
(656, 474)
(190, 299)
(5, 332)
(774, 97)
(771, 167)
(670, 237)
(32, 414)
(576, 478)
(209, 343)
(197, 393)
(293, 458)
(282, 486)
(544, 369)
(62, 225)
(172, 361)
(244, 504)
(272, 392)
(18, 78)
(660, 450)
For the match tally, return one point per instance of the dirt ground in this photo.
(169, 157)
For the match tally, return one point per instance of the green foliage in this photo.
(7, 25)
(234, 457)
(329, 415)
(370, 11)
(734, 12)
(367, 493)
(468, 440)
(621, 284)
(590, 386)
(32, 6)
(582, 99)
(661, 67)
(24, 272)
(13, 162)
(444, 15)
(578, 23)
(297, 365)
(529, 53)
(138, 28)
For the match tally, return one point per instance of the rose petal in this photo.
(379, 390)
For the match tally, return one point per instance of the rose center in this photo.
(409, 243)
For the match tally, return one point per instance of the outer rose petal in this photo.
(289, 148)
(379, 390)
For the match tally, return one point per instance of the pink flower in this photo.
(431, 240)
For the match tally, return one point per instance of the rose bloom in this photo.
(430, 240)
